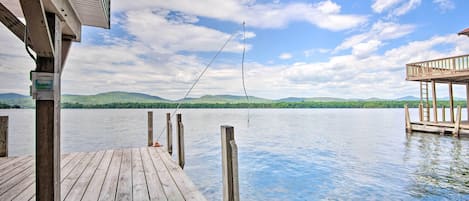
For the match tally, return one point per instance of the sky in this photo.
(333, 48)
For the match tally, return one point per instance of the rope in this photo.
(242, 69)
(198, 79)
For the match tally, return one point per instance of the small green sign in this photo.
(44, 84)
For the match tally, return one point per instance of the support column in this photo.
(435, 108)
(467, 99)
(48, 121)
(451, 102)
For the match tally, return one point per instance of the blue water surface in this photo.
(284, 154)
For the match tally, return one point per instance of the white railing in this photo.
(443, 66)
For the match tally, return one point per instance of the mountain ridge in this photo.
(135, 97)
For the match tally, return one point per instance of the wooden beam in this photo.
(435, 108)
(408, 125)
(180, 132)
(3, 136)
(13, 23)
(37, 26)
(66, 45)
(48, 121)
(451, 102)
(67, 14)
(150, 128)
(169, 134)
(467, 99)
(230, 183)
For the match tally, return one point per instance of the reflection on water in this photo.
(284, 154)
(442, 168)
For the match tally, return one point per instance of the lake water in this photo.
(284, 154)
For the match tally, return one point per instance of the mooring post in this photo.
(434, 101)
(3, 136)
(150, 128)
(421, 112)
(180, 131)
(443, 114)
(169, 133)
(451, 102)
(458, 122)
(229, 164)
(407, 119)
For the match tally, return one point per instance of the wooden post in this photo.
(451, 102)
(150, 128)
(408, 125)
(3, 136)
(229, 164)
(48, 121)
(467, 100)
(234, 160)
(180, 131)
(421, 112)
(458, 122)
(443, 114)
(435, 107)
(169, 133)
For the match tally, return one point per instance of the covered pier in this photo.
(448, 71)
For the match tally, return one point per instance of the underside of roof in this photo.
(94, 13)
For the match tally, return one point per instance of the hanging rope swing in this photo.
(205, 70)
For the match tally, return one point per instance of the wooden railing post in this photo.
(408, 125)
(443, 114)
(458, 122)
(180, 131)
(229, 164)
(169, 133)
(150, 128)
(421, 112)
(3, 136)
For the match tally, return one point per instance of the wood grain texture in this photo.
(146, 173)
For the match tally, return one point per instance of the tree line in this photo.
(326, 104)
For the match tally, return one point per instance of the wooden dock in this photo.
(441, 128)
(137, 174)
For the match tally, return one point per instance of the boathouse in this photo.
(446, 71)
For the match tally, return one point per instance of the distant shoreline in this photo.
(304, 105)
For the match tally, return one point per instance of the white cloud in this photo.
(366, 48)
(444, 5)
(168, 34)
(311, 52)
(395, 7)
(406, 7)
(380, 31)
(285, 56)
(325, 14)
(381, 5)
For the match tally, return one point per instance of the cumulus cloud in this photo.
(366, 48)
(168, 33)
(285, 56)
(379, 31)
(325, 14)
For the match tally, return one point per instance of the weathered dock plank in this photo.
(108, 190)
(169, 186)
(155, 188)
(139, 183)
(124, 188)
(97, 180)
(136, 174)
